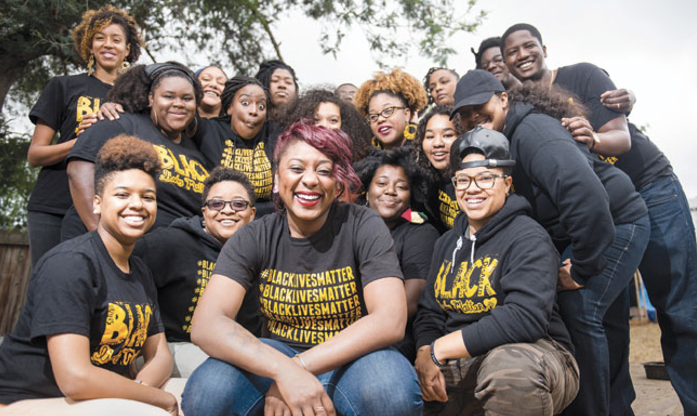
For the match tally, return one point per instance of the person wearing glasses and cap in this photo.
(589, 207)
(182, 257)
(488, 334)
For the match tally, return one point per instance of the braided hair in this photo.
(235, 84)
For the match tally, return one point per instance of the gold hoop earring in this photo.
(90, 65)
(125, 66)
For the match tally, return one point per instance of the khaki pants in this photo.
(62, 406)
(539, 378)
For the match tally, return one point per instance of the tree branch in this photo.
(267, 29)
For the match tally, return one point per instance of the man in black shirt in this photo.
(669, 266)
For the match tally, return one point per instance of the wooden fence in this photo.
(15, 267)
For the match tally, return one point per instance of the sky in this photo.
(646, 46)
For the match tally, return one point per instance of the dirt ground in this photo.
(654, 397)
(645, 343)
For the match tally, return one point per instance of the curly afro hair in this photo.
(352, 123)
(433, 174)
(124, 152)
(223, 174)
(402, 157)
(131, 89)
(556, 102)
(397, 83)
(94, 21)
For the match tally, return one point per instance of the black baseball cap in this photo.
(492, 144)
(475, 88)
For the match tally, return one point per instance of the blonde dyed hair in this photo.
(398, 83)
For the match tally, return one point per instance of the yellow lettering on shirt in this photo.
(125, 332)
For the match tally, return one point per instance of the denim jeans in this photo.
(380, 383)
(44, 231)
(583, 311)
(669, 271)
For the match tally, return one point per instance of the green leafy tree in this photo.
(35, 41)
(17, 178)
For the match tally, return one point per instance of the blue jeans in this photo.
(583, 311)
(380, 383)
(44, 231)
(669, 271)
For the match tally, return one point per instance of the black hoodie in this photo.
(181, 258)
(509, 296)
(574, 195)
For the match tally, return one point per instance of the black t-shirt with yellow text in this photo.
(179, 185)
(223, 147)
(62, 104)
(77, 289)
(311, 288)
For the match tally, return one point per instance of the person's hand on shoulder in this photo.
(87, 121)
(110, 111)
(621, 101)
(581, 130)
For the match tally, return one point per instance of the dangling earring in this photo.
(376, 143)
(410, 131)
(125, 66)
(90, 64)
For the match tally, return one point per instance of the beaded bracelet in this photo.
(433, 356)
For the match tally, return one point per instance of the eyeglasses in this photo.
(498, 60)
(385, 113)
(484, 180)
(219, 204)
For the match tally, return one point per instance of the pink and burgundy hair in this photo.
(333, 143)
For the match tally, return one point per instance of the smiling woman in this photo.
(212, 79)
(92, 309)
(183, 256)
(393, 180)
(161, 102)
(330, 288)
(389, 102)
(498, 331)
(107, 40)
(434, 136)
